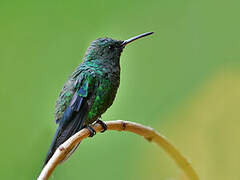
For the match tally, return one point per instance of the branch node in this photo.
(123, 125)
(61, 148)
(149, 139)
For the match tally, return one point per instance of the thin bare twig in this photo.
(149, 133)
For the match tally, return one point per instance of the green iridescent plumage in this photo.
(98, 78)
(90, 90)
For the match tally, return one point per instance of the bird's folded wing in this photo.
(74, 116)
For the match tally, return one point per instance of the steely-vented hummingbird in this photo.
(89, 91)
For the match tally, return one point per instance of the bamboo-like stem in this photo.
(149, 133)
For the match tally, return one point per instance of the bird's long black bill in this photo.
(135, 38)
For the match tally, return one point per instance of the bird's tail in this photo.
(52, 146)
(65, 131)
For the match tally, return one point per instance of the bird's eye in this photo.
(111, 47)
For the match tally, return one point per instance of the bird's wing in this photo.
(64, 99)
(75, 113)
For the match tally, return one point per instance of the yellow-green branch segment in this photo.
(147, 132)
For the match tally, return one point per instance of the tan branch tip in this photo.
(147, 132)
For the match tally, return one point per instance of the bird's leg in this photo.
(91, 130)
(104, 126)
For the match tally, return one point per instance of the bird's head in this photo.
(104, 49)
(108, 49)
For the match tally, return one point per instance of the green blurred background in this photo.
(184, 81)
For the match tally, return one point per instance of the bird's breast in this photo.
(105, 93)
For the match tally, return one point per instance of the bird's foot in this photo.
(91, 130)
(104, 126)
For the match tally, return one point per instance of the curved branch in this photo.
(149, 133)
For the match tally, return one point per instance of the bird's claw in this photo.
(104, 126)
(91, 130)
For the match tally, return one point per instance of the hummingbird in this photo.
(89, 91)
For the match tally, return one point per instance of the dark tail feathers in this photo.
(65, 130)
